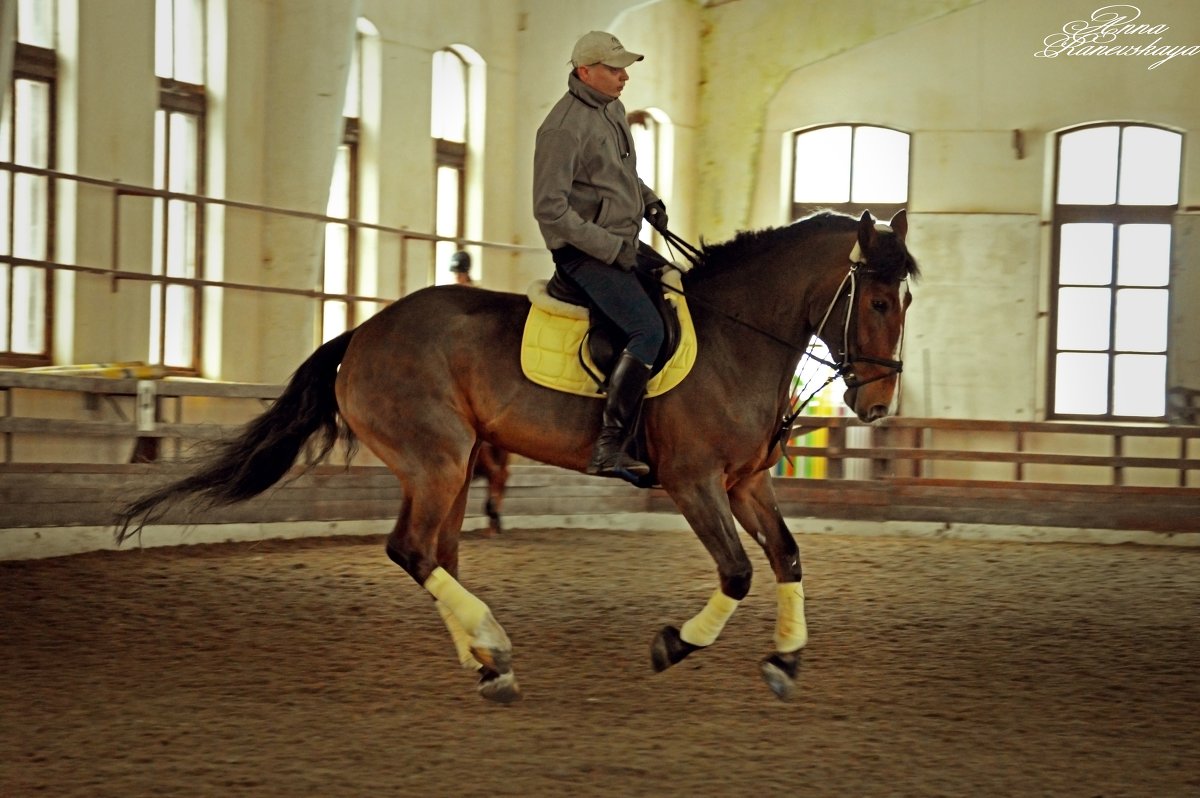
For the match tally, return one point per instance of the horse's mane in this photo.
(746, 245)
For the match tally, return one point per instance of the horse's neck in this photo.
(751, 325)
(777, 303)
(785, 294)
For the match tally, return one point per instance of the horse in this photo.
(491, 465)
(425, 396)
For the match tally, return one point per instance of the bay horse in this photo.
(491, 465)
(433, 376)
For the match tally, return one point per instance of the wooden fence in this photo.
(70, 443)
(1041, 474)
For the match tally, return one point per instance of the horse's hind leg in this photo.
(706, 509)
(425, 544)
(493, 684)
(754, 504)
(494, 463)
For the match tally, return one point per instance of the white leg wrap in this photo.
(791, 631)
(462, 640)
(704, 628)
(472, 614)
(468, 610)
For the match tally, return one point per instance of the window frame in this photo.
(37, 64)
(449, 154)
(351, 132)
(880, 210)
(1117, 215)
(190, 99)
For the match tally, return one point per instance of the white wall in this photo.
(734, 78)
(961, 82)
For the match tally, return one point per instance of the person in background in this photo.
(460, 267)
(589, 204)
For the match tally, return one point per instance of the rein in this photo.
(844, 368)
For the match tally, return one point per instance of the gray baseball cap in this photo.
(598, 47)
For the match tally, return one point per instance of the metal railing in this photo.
(117, 274)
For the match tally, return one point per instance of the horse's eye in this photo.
(879, 306)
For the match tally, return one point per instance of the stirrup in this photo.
(618, 465)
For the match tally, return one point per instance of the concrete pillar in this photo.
(108, 96)
(310, 43)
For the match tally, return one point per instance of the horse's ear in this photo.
(899, 224)
(866, 231)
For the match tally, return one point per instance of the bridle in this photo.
(844, 368)
(847, 358)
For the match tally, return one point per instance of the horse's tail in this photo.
(267, 447)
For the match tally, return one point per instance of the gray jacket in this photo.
(586, 190)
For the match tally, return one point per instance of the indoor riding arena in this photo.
(294, 437)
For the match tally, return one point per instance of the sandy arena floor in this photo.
(318, 668)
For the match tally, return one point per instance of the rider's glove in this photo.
(656, 215)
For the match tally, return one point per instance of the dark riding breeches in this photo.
(619, 296)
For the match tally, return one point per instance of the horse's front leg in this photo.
(706, 508)
(755, 507)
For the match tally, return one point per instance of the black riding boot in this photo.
(626, 389)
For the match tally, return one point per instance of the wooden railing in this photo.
(1035, 476)
(181, 410)
(141, 412)
(69, 441)
(1018, 451)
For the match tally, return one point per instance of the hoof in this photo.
(668, 648)
(779, 672)
(499, 687)
(494, 524)
(491, 647)
(494, 659)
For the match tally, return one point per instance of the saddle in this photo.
(568, 347)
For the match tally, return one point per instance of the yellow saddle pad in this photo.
(554, 332)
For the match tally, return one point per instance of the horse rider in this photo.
(589, 203)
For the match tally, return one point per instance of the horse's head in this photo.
(866, 335)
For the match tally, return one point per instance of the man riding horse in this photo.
(589, 203)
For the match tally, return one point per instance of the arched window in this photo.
(449, 128)
(850, 168)
(1116, 192)
(179, 150)
(27, 139)
(339, 268)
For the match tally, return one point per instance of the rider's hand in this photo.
(627, 257)
(656, 215)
